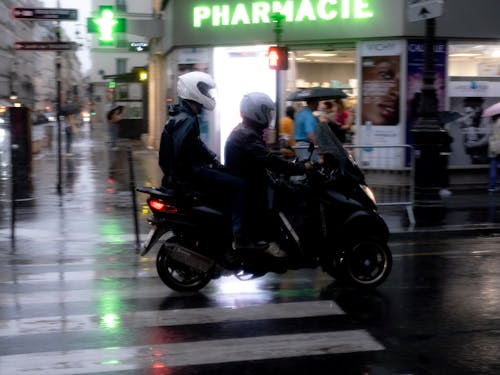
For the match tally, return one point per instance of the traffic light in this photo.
(143, 75)
(278, 58)
(106, 25)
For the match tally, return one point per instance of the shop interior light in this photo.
(465, 54)
(495, 53)
(320, 54)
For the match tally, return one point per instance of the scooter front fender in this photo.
(367, 223)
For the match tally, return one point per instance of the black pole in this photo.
(13, 158)
(59, 140)
(278, 30)
(428, 137)
(134, 198)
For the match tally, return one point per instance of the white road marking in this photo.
(165, 356)
(140, 319)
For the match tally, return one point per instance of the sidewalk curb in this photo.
(441, 231)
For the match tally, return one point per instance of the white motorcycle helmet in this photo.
(198, 87)
(259, 108)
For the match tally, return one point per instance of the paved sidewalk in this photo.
(96, 204)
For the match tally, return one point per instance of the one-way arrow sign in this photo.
(45, 14)
(419, 10)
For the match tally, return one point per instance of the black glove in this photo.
(217, 165)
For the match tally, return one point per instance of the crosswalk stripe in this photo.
(89, 361)
(54, 235)
(140, 319)
(35, 278)
(85, 295)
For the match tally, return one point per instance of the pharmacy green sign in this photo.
(234, 13)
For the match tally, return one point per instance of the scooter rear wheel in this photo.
(178, 276)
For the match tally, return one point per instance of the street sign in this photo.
(138, 47)
(419, 10)
(45, 14)
(45, 46)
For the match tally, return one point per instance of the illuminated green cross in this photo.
(106, 25)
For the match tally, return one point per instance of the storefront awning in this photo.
(5, 103)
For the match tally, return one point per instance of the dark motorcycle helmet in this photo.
(258, 108)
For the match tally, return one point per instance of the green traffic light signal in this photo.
(106, 25)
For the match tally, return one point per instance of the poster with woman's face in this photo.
(380, 90)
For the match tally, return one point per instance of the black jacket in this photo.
(181, 148)
(247, 156)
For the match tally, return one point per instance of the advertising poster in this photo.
(416, 57)
(380, 103)
(470, 131)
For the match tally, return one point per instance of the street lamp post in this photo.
(428, 137)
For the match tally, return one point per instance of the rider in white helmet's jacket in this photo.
(247, 156)
(186, 160)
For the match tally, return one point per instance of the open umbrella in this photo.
(448, 116)
(5, 103)
(118, 108)
(316, 93)
(70, 109)
(492, 110)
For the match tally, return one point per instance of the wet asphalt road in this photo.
(76, 299)
(74, 309)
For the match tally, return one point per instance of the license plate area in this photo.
(151, 234)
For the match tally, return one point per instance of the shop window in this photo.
(121, 40)
(122, 91)
(121, 66)
(121, 6)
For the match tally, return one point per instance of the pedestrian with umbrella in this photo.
(493, 145)
(69, 122)
(305, 120)
(114, 118)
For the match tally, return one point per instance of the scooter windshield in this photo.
(334, 153)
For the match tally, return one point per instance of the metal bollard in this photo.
(134, 198)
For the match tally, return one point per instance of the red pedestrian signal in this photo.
(278, 58)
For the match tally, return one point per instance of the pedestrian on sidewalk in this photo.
(494, 152)
(114, 117)
(69, 129)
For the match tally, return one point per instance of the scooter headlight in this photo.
(369, 193)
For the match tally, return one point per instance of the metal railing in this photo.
(389, 171)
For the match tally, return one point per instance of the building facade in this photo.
(28, 77)
(331, 43)
(119, 58)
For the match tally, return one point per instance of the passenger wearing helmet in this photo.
(247, 156)
(185, 159)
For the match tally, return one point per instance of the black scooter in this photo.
(326, 218)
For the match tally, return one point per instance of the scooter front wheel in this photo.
(178, 276)
(363, 264)
(367, 263)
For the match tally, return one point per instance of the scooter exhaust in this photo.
(190, 258)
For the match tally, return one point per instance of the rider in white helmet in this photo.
(186, 160)
(247, 156)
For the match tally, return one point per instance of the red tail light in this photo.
(161, 206)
